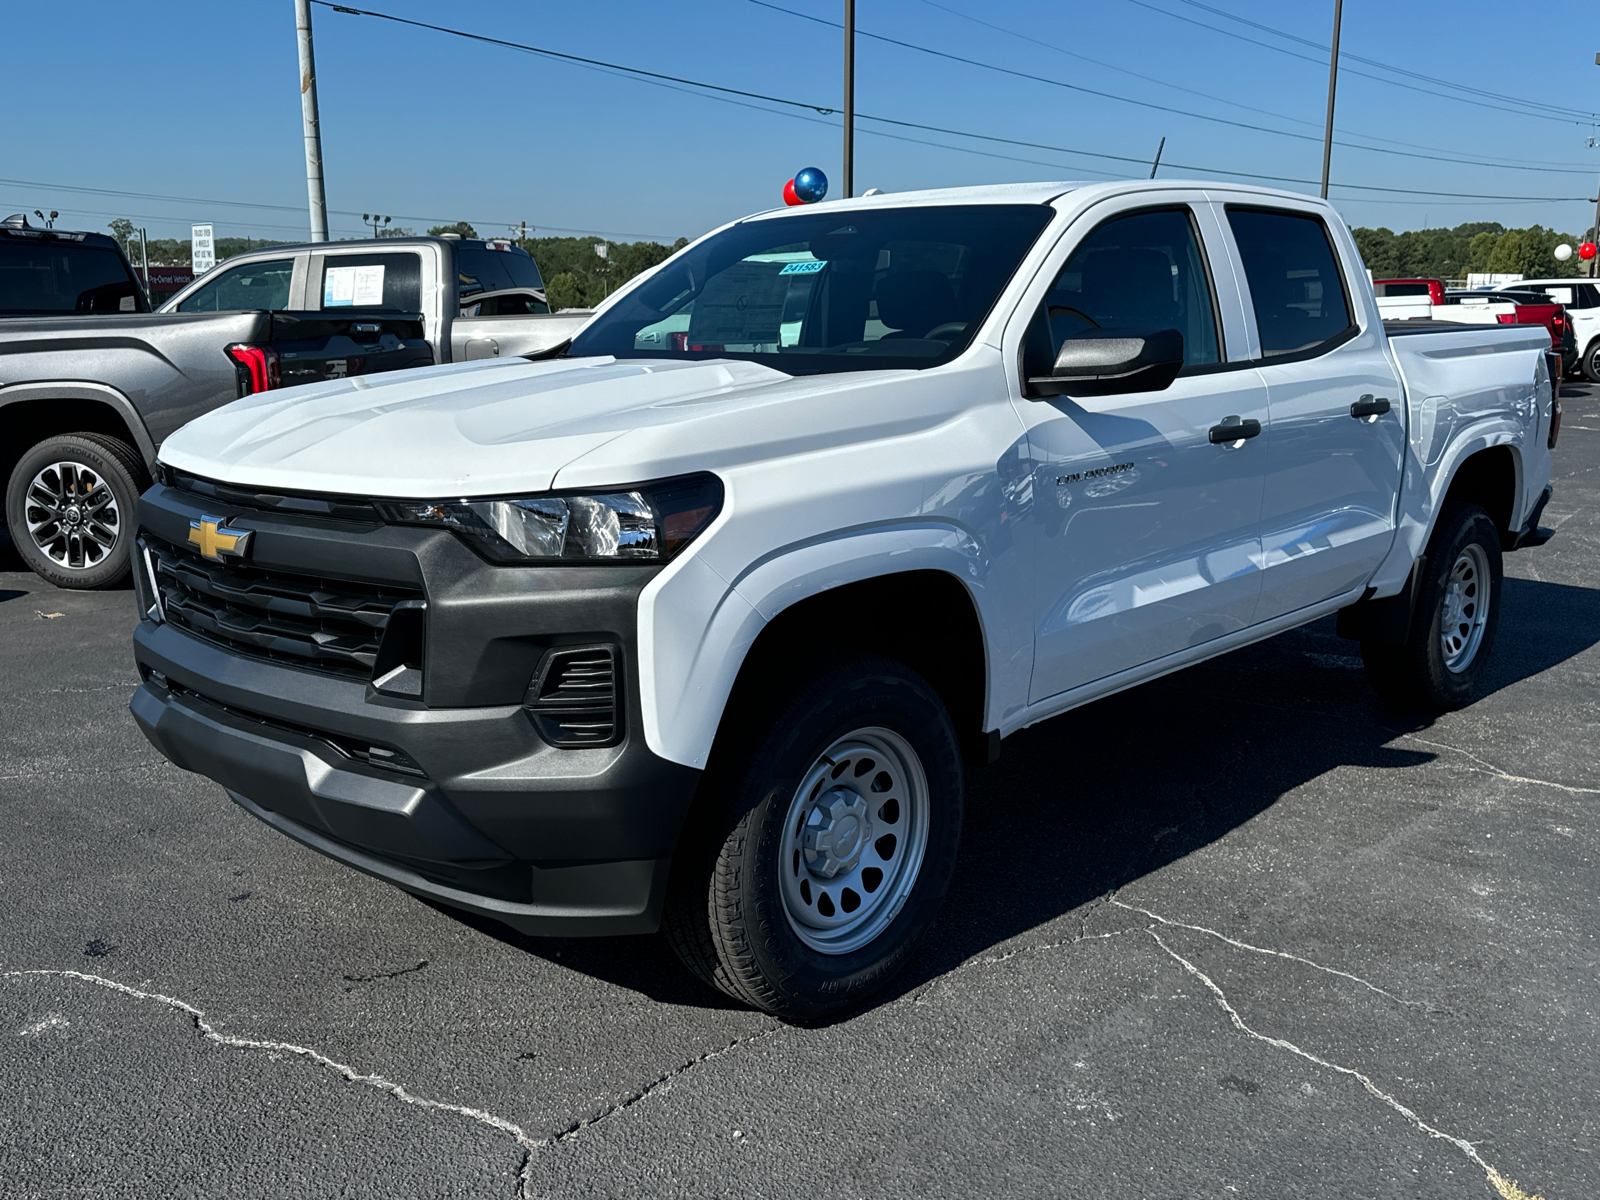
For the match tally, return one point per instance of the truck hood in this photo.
(479, 428)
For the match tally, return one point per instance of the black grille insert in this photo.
(575, 699)
(329, 625)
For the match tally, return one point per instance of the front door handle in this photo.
(1233, 429)
(1368, 407)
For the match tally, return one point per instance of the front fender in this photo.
(696, 627)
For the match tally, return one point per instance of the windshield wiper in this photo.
(559, 350)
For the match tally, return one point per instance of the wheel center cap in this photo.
(73, 514)
(837, 830)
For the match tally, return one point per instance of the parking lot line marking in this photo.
(1507, 1188)
(1264, 950)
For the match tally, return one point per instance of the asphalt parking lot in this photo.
(1240, 932)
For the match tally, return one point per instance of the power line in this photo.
(1037, 41)
(1577, 117)
(1383, 66)
(346, 212)
(1305, 137)
(723, 93)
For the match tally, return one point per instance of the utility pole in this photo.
(1333, 80)
(144, 253)
(1157, 164)
(308, 117)
(849, 98)
(1594, 263)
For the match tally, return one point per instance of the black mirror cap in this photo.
(1107, 362)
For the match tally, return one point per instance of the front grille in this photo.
(575, 699)
(311, 621)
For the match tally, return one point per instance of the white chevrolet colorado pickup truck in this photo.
(694, 624)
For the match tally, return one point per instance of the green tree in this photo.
(1507, 256)
(562, 291)
(122, 230)
(1473, 247)
(592, 278)
(464, 228)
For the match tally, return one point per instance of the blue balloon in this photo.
(811, 185)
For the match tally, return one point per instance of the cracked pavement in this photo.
(1349, 953)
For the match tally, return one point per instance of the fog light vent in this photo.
(575, 699)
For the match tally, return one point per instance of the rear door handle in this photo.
(1233, 429)
(1368, 407)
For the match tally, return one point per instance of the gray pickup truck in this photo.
(90, 387)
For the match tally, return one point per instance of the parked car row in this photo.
(92, 382)
(1569, 309)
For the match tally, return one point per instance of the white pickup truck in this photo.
(695, 624)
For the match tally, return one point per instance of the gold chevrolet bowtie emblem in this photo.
(214, 541)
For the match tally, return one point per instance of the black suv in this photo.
(51, 273)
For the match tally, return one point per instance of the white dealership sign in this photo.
(202, 249)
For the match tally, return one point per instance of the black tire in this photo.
(1421, 673)
(99, 555)
(1589, 364)
(726, 916)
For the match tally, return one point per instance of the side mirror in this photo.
(1107, 362)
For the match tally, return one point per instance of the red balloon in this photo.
(1585, 251)
(790, 198)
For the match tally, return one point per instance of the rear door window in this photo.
(245, 287)
(63, 277)
(1295, 283)
(372, 281)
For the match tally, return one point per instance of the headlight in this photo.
(647, 523)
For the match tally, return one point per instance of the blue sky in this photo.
(198, 101)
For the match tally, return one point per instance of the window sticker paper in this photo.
(352, 287)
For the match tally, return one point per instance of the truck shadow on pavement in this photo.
(1092, 800)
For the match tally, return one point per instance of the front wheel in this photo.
(1442, 661)
(824, 845)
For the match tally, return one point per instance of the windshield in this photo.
(818, 292)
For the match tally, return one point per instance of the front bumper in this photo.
(486, 816)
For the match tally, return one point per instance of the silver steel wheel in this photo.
(72, 515)
(853, 840)
(1465, 612)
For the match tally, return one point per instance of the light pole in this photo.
(1594, 263)
(849, 98)
(375, 220)
(1333, 80)
(309, 120)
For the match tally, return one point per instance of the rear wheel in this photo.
(824, 845)
(1442, 661)
(1590, 364)
(69, 509)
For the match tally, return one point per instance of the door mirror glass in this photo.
(1102, 362)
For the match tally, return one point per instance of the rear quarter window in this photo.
(386, 281)
(62, 277)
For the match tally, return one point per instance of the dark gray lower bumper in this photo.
(552, 842)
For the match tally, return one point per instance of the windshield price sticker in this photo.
(352, 287)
